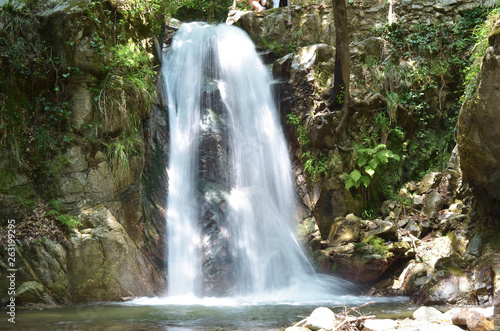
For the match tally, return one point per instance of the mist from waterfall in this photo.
(261, 258)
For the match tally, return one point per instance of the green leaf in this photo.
(362, 160)
(369, 171)
(355, 175)
(366, 180)
(373, 164)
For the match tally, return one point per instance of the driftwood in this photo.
(349, 322)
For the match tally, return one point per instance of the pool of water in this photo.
(204, 315)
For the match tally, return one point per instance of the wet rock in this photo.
(32, 292)
(281, 67)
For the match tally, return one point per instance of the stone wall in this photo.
(311, 22)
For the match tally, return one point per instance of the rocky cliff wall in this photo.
(92, 167)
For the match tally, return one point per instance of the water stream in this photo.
(231, 191)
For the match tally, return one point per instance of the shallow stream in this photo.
(207, 314)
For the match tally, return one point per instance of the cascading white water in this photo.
(260, 199)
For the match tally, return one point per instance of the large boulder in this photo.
(105, 264)
(479, 139)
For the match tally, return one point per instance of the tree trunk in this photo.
(340, 94)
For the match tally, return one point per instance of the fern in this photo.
(69, 220)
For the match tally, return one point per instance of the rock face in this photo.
(118, 250)
(103, 262)
(478, 140)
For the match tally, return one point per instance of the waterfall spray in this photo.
(231, 192)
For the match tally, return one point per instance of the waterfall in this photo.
(230, 209)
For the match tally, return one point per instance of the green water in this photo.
(182, 317)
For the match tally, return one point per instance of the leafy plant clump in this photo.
(373, 245)
(315, 162)
(368, 162)
(480, 39)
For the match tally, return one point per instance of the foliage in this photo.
(315, 163)
(481, 32)
(368, 162)
(69, 220)
(35, 116)
(277, 47)
(55, 211)
(373, 245)
(422, 80)
(120, 151)
(211, 11)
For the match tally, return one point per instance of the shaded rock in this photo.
(385, 230)
(321, 318)
(330, 204)
(322, 129)
(445, 287)
(451, 220)
(453, 261)
(479, 141)
(31, 293)
(474, 248)
(17, 194)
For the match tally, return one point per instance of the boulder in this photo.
(473, 320)
(346, 230)
(379, 325)
(385, 230)
(104, 263)
(430, 314)
(479, 140)
(321, 318)
(429, 182)
(433, 204)
(32, 292)
(445, 287)
(414, 325)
